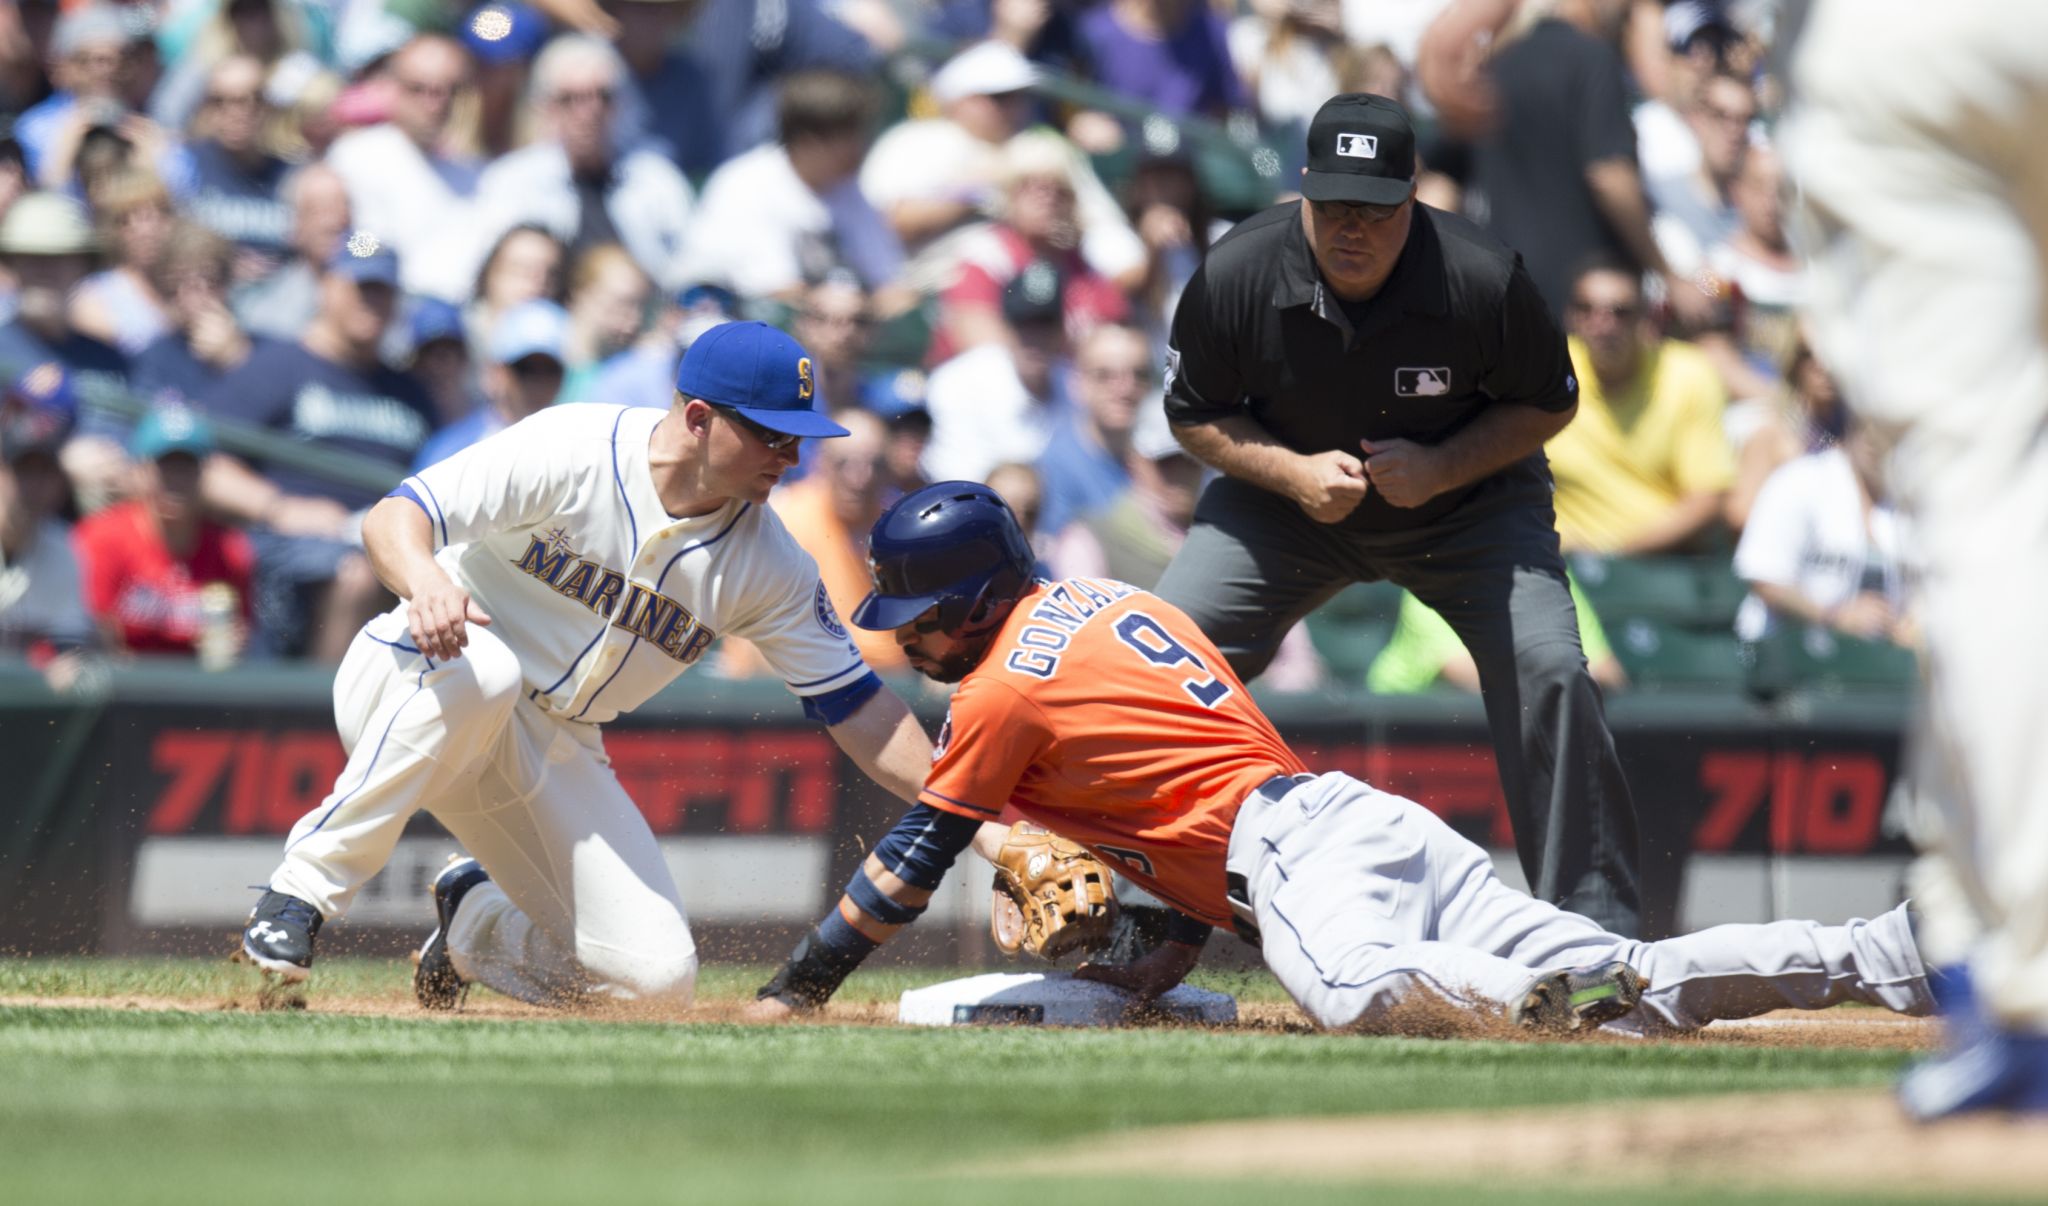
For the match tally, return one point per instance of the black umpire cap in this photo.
(1361, 147)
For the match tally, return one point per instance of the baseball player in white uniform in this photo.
(1916, 137)
(551, 577)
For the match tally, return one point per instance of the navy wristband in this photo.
(875, 904)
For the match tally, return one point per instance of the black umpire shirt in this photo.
(1458, 327)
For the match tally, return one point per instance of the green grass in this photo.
(100, 1105)
(347, 977)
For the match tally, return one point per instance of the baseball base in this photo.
(1051, 999)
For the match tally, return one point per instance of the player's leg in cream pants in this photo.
(1918, 141)
(580, 901)
(1365, 900)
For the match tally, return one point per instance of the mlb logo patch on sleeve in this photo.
(1359, 146)
(1422, 382)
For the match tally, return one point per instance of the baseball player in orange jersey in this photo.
(1101, 712)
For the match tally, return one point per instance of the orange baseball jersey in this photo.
(1103, 713)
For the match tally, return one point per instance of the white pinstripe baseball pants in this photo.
(1917, 139)
(580, 900)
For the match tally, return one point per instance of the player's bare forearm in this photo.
(887, 743)
(989, 839)
(400, 543)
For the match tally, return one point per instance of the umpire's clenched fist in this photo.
(1329, 485)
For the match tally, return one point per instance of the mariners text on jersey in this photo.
(647, 613)
(556, 529)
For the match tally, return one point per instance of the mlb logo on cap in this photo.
(1361, 149)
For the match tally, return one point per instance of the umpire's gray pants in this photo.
(1254, 565)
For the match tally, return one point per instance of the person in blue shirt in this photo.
(522, 376)
(441, 360)
(239, 182)
(327, 391)
(205, 341)
(1083, 468)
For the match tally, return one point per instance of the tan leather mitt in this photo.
(1051, 896)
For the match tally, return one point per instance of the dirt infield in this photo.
(1841, 1141)
(1848, 1028)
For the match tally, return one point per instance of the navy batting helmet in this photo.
(953, 545)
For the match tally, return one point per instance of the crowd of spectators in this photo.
(378, 232)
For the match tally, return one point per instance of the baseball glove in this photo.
(1050, 896)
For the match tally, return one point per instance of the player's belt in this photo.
(1243, 918)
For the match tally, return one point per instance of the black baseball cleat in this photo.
(435, 982)
(1579, 999)
(279, 936)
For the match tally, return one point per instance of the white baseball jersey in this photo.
(554, 527)
(1915, 138)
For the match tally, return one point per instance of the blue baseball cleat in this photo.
(1985, 1068)
(279, 936)
(435, 982)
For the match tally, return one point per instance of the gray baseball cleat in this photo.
(279, 936)
(435, 982)
(1578, 998)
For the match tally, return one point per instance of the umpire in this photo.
(1376, 380)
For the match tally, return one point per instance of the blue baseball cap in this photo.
(504, 32)
(761, 373)
(38, 411)
(364, 258)
(169, 429)
(534, 328)
(435, 319)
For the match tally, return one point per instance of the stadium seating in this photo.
(1692, 592)
(1812, 659)
(1351, 629)
(1661, 656)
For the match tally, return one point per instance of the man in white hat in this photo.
(933, 177)
(47, 243)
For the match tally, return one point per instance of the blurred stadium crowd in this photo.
(259, 256)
